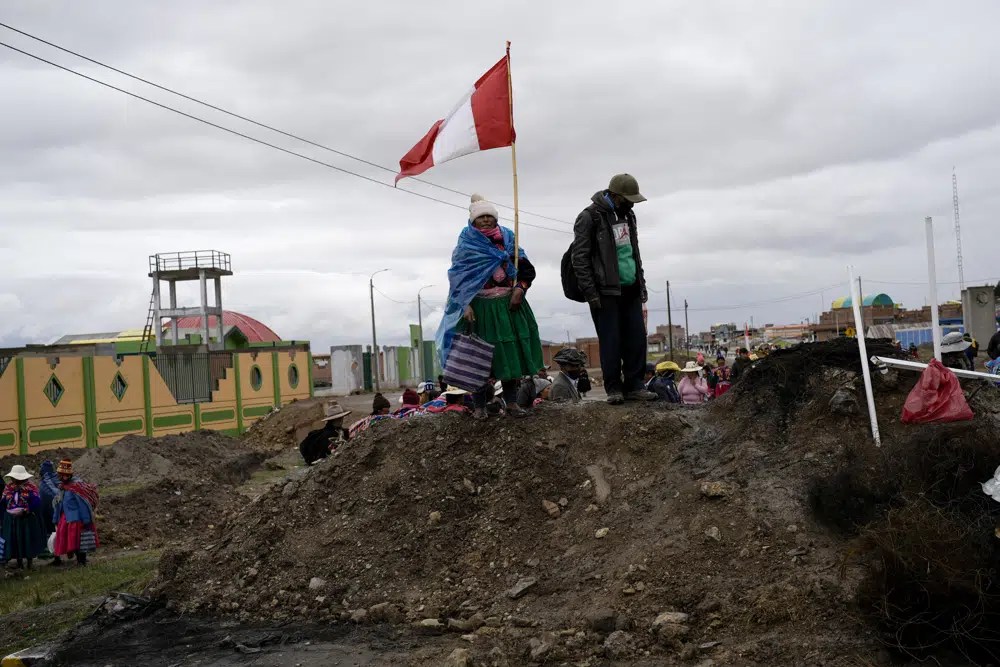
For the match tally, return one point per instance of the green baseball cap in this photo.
(626, 186)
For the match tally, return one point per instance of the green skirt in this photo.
(517, 348)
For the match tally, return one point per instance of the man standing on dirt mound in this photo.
(608, 269)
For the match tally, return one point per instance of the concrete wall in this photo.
(92, 400)
(346, 369)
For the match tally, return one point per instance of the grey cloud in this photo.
(777, 142)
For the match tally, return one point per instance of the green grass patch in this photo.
(46, 585)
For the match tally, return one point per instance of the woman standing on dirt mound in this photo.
(73, 512)
(22, 536)
(486, 296)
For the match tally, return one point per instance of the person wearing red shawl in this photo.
(22, 536)
(73, 512)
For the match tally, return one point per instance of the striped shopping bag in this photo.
(469, 362)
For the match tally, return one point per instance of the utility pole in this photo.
(420, 329)
(371, 296)
(958, 233)
(687, 331)
(670, 324)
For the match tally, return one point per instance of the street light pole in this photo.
(420, 328)
(371, 296)
(687, 330)
(670, 324)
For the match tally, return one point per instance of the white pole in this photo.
(863, 351)
(932, 287)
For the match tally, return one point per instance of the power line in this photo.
(255, 139)
(258, 123)
(391, 299)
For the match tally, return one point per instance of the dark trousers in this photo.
(621, 334)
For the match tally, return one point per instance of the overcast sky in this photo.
(777, 143)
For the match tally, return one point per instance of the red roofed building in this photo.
(238, 329)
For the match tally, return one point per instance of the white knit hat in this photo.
(480, 206)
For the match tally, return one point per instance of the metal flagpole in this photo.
(513, 161)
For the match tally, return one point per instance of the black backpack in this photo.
(570, 285)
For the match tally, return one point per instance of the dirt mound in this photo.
(34, 461)
(198, 457)
(569, 534)
(165, 513)
(277, 430)
(928, 538)
(780, 381)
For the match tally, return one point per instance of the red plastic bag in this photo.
(937, 397)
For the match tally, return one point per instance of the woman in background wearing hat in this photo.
(73, 512)
(23, 533)
(454, 402)
(953, 347)
(487, 291)
(692, 388)
(318, 444)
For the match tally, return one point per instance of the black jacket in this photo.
(993, 348)
(739, 367)
(595, 255)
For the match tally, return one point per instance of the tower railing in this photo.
(190, 259)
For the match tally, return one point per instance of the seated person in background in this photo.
(380, 405)
(319, 443)
(913, 351)
(953, 348)
(663, 384)
(692, 388)
(410, 397)
(571, 362)
(650, 374)
(454, 402)
(531, 390)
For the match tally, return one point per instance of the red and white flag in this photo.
(482, 120)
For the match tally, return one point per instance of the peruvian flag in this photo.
(481, 120)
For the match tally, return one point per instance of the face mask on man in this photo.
(573, 373)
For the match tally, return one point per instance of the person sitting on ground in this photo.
(663, 383)
(693, 389)
(410, 398)
(583, 384)
(953, 348)
(380, 405)
(648, 376)
(318, 444)
(993, 347)
(543, 373)
(972, 351)
(740, 366)
(531, 391)
(571, 361)
(454, 402)
(488, 282)
(22, 531)
(711, 379)
(73, 512)
(913, 351)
